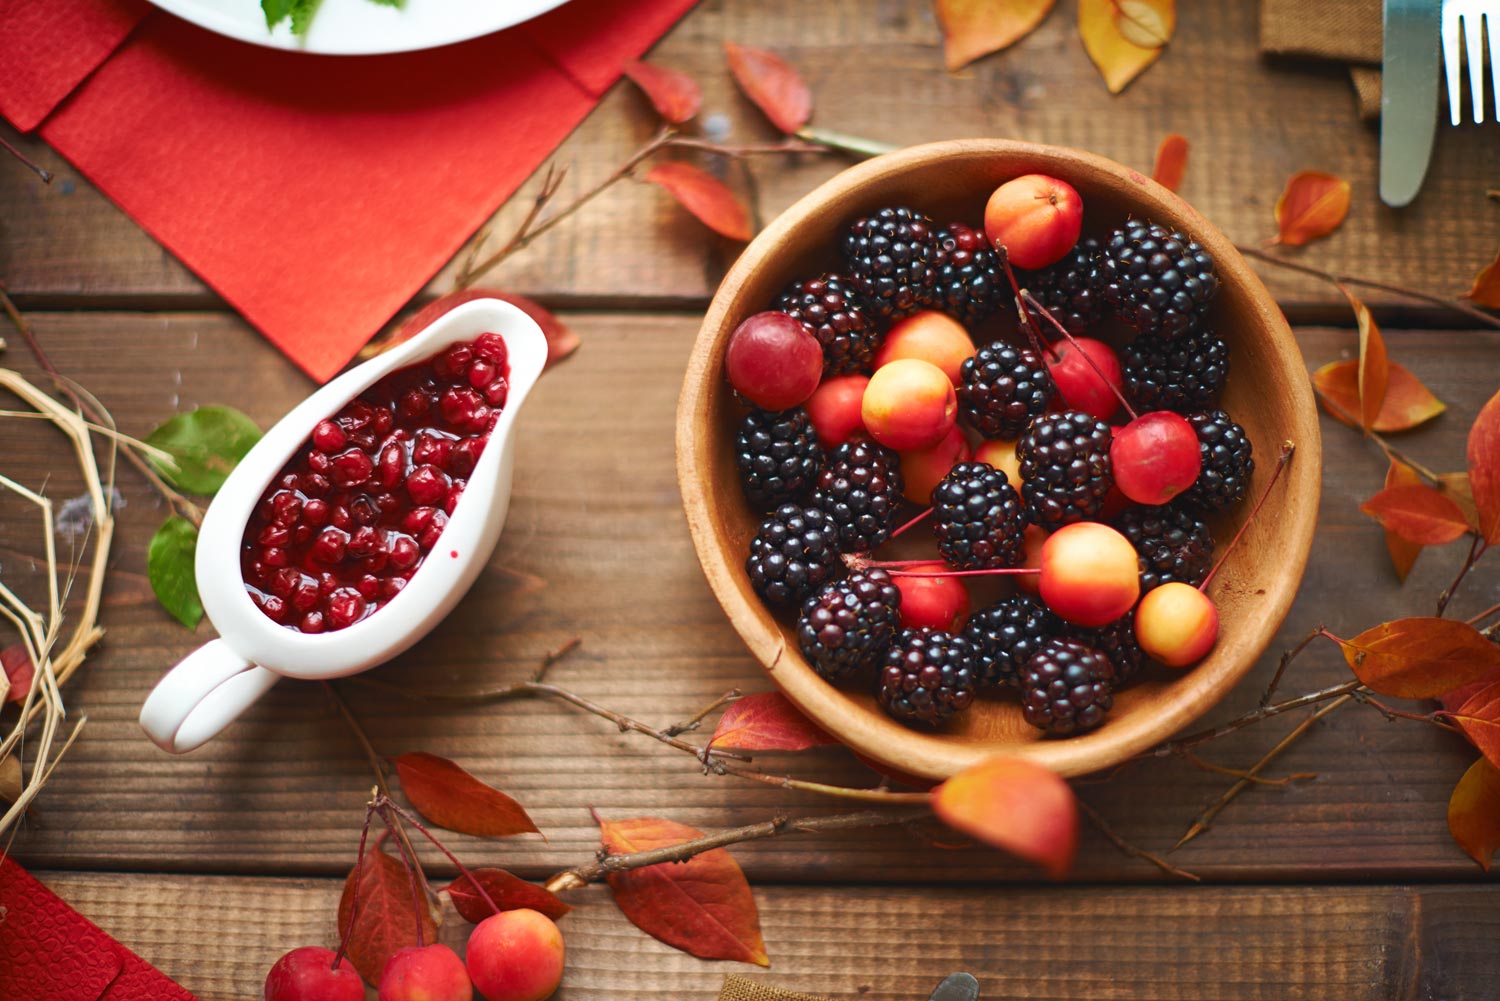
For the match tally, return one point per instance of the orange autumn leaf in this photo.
(1314, 204)
(1374, 373)
(1484, 469)
(1171, 161)
(767, 721)
(1123, 37)
(1015, 805)
(705, 196)
(1403, 553)
(1479, 718)
(1407, 404)
(387, 919)
(974, 28)
(775, 87)
(702, 906)
(1417, 513)
(1486, 290)
(1474, 812)
(508, 893)
(1420, 658)
(1456, 486)
(674, 95)
(450, 797)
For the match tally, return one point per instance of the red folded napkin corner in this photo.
(47, 47)
(318, 194)
(50, 951)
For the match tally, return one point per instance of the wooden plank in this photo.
(1252, 123)
(596, 547)
(1354, 943)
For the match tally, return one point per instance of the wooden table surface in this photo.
(214, 863)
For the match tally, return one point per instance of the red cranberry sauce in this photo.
(345, 524)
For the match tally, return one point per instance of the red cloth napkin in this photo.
(317, 194)
(50, 951)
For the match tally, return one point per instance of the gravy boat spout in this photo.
(210, 687)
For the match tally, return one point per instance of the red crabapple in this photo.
(773, 361)
(1155, 457)
(1032, 541)
(425, 973)
(1002, 456)
(1090, 574)
(1036, 219)
(834, 406)
(308, 974)
(930, 336)
(1079, 386)
(923, 468)
(1176, 624)
(930, 600)
(908, 404)
(515, 956)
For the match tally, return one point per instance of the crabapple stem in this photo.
(917, 520)
(410, 864)
(894, 568)
(1288, 449)
(364, 834)
(1030, 300)
(411, 819)
(1041, 346)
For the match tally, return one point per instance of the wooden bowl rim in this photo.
(924, 754)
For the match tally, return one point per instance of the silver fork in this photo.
(1461, 26)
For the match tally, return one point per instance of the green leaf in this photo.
(169, 565)
(390, 3)
(302, 15)
(205, 445)
(276, 11)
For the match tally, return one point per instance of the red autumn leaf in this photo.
(1486, 290)
(19, 671)
(561, 341)
(1016, 806)
(450, 797)
(705, 196)
(1484, 469)
(1454, 700)
(1403, 553)
(673, 94)
(1123, 37)
(1407, 402)
(1474, 812)
(1420, 658)
(507, 891)
(1171, 161)
(1417, 513)
(974, 28)
(387, 918)
(775, 87)
(1314, 204)
(702, 906)
(767, 721)
(1479, 718)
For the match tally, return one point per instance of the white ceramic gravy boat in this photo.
(218, 681)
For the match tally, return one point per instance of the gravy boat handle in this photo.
(204, 693)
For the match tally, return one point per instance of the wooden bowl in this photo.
(1268, 392)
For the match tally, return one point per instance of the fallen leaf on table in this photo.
(1474, 812)
(1374, 373)
(1171, 161)
(1417, 513)
(774, 86)
(1479, 718)
(15, 661)
(767, 721)
(169, 568)
(702, 906)
(1420, 658)
(705, 196)
(205, 445)
(387, 919)
(509, 893)
(1403, 553)
(1017, 806)
(1123, 37)
(1486, 290)
(975, 28)
(675, 95)
(1484, 469)
(450, 797)
(1407, 402)
(1314, 204)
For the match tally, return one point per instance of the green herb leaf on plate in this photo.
(205, 445)
(169, 565)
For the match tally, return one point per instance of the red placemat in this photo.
(50, 951)
(317, 194)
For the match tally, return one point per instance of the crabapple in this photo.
(930, 336)
(1090, 573)
(425, 973)
(308, 974)
(909, 403)
(1002, 456)
(928, 599)
(923, 468)
(1032, 541)
(773, 361)
(1036, 219)
(833, 409)
(515, 956)
(1176, 624)
(1079, 386)
(1155, 457)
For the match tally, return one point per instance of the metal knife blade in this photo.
(1408, 96)
(957, 987)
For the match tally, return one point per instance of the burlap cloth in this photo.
(739, 989)
(1345, 31)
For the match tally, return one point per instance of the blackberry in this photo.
(1116, 641)
(860, 489)
(1227, 462)
(1170, 544)
(890, 256)
(1006, 634)
(1067, 687)
(1003, 388)
(1065, 473)
(832, 310)
(1180, 374)
(850, 623)
(1070, 289)
(970, 286)
(778, 455)
(977, 518)
(1155, 279)
(794, 553)
(927, 676)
